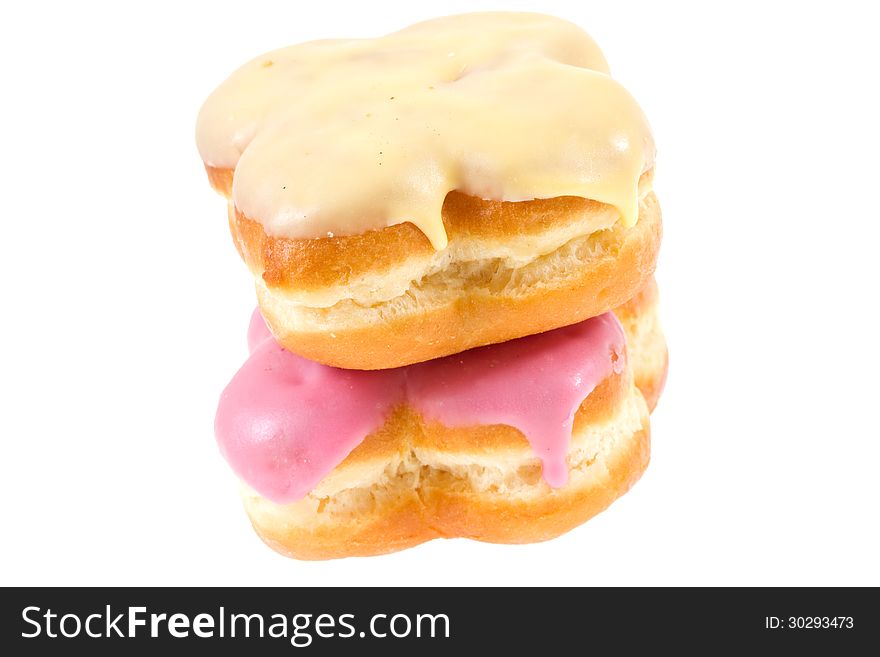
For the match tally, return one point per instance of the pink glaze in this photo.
(285, 422)
(535, 384)
(257, 331)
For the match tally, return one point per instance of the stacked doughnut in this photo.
(453, 235)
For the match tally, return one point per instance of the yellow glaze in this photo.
(344, 136)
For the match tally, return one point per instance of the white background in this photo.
(125, 305)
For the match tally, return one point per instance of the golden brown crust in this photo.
(220, 179)
(436, 511)
(646, 344)
(500, 519)
(643, 301)
(478, 316)
(285, 263)
(455, 309)
(651, 384)
(401, 524)
(422, 498)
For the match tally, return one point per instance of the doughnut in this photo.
(508, 443)
(463, 182)
(453, 232)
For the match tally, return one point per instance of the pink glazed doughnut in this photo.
(510, 443)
